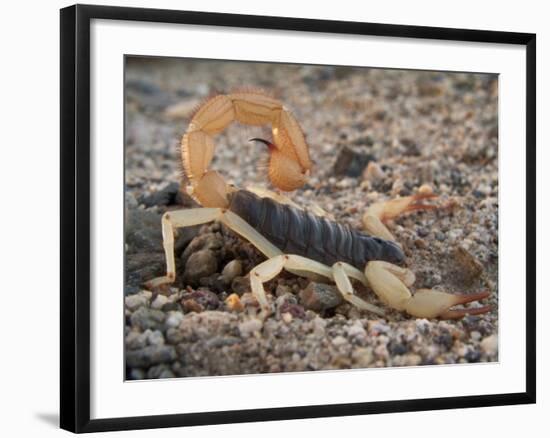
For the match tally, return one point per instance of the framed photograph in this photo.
(255, 209)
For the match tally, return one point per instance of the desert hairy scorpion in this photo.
(291, 238)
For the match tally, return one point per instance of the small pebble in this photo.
(412, 360)
(249, 300)
(357, 330)
(191, 305)
(204, 298)
(233, 269)
(200, 264)
(362, 357)
(151, 355)
(240, 285)
(250, 327)
(320, 296)
(351, 162)
(319, 325)
(132, 302)
(374, 172)
(159, 301)
(472, 355)
(136, 340)
(174, 319)
(233, 303)
(475, 336)
(137, 374)
(381, 352)
(455, 234)
(423, 326)
(282, 290)
(489, 345)
(338, 341)
(469, 267)
(377, 327)
(155, 338)
(145, 318)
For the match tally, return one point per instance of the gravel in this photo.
(319, 297)
(374, 135)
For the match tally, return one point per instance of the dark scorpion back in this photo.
(295, 231)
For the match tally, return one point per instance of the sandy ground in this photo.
(414, 127)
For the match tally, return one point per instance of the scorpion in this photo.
(305, 243)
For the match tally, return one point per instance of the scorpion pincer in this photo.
(291, 238)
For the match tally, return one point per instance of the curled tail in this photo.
(289, 161)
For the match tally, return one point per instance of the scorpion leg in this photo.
(178, 219)
(272, 267)
(390, 283)
(378, 213)
(196, 216)
(340, 273)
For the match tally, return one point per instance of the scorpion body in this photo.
(295, 231)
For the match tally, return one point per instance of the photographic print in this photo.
(288, 218)
(292, 203)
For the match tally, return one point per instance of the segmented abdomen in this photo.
(295, 231)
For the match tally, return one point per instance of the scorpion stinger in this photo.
(261, 140)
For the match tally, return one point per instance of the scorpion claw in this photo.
(416, 206)
(425, 192)
(460, 313)
(380, 213)
(427, 303)
(464, 299)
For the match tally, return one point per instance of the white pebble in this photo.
(475, 335)
(362, 356)
(135, 301)
(381, 351)
(339, 341)
(374, 172)
(136, 340)
(155, 338)
(357, 330)
(455, 234)
(345, 183)
(159, 302)
(319, 325)
(249, 327)
(412, 360)
(174, 319)
(485, 189)
(490, 345)
(423, 325)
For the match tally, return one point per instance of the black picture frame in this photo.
(75, 217)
